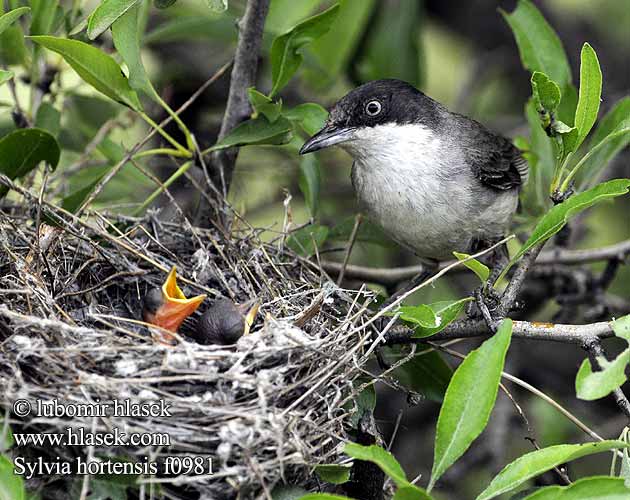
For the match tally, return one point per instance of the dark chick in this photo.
(225, 322)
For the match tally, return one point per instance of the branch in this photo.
(467, 328)
(508, 299)
(595, 351)
(393, 275)
(243, 76)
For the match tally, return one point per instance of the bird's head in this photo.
(167, 307)
(226, 321)
(373, 115)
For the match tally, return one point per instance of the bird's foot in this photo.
(486, 305)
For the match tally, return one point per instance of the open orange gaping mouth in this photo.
(175, 306)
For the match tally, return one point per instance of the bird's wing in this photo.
(497, 163)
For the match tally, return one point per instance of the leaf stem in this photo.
(178, 121)
(164, 134)
(161, 151)
(594, 149)
(167, 183)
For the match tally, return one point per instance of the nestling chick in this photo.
(225, 322)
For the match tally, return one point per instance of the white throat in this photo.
(398, 146)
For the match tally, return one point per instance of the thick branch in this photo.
(393, 275)
(243, 76)
(467, 328)
(596, 351)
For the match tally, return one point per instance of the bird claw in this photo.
(486, 305)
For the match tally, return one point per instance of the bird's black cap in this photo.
(400, 103)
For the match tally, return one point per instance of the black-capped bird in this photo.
(434, 180)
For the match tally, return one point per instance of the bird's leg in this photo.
(487, 299)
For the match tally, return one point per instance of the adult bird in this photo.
(434, 180)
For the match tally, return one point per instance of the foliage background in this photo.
(462, 54)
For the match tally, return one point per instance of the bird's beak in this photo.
(249, 310)
(175, 306)
(330, 135)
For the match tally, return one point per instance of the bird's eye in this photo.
(373, 108)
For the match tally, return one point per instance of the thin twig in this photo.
(346, 257)
(393, 275)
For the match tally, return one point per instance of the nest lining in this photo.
(266, 410)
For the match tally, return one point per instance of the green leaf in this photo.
(310, 182)
(481, 270)
(9, 18)
(590, 386)
(126, 36)
(44, 12)
(364, 402)
(106, 14)
(205, 28)
(12, 48)
(73, 201)
(469, 400)
(11, 485)
(395, 30)
(426, 373)
(568, 104)
(163, 4)
(334, 52)
(539, 46)
(217, 5)
(546, 92)
(420, 315)
(557, 217)
(570, 137)
(445, 312)
(284, 14)
(264, 105)
(536, 462)
(285, 55)
(5, 76)
(618, 114)
(588, 488)
(590, 92)
(6, 437)
(411, 493)
(598, 160)
(621, 327)
(541, 159)
(22, 150)
(381, 457)
(93, 66)
(310, 116)
(389, 465)
(307, 240)
(334, 474)
(48, 118)
(258, 131)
